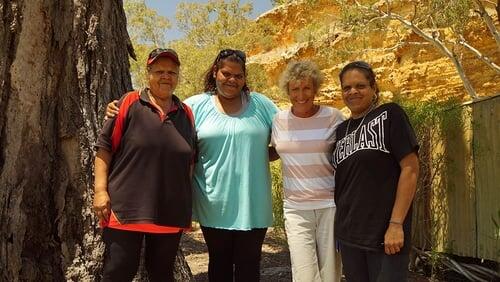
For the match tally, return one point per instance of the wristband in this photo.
(395, 222)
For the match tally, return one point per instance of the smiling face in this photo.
(357, 93)
(302, 93)
(163, 77)
(229, 79)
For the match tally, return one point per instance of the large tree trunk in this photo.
(60, 62)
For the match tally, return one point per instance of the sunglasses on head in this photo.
(361, 64)
(228, 52)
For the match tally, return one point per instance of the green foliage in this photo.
(195, 62)
(147, 31)
(311, 32)
(280, 2)
(431, 114)
(256, 78)
(212, 23)
(426, 14)
(351, 16)
(277, 193)
(144, 25)
(258, 35)
(209, 27)
(434, 123)
(454, 14)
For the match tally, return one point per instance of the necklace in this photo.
(363, 119)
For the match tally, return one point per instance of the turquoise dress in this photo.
(232, 183)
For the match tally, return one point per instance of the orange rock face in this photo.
(407, 66)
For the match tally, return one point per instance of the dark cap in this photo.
(162, 52)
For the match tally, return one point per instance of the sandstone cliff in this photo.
(407, 66)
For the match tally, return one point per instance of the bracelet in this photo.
(395, 222)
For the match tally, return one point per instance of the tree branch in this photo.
(489, 22)
(478, 54)
(434, 41)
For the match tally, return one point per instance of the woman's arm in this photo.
(394, 235)
(102, 203)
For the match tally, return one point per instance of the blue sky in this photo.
(167, 9)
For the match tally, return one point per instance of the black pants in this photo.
(228, 248)
(123, 252)
(371, 266)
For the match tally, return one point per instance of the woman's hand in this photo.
(394, 238)
(112, 109)
(102, 205)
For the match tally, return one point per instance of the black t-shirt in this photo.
(367, 174)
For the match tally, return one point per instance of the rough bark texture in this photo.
(60, 63)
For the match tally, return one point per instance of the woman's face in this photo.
(302, 93)
(163, 77)
(229, 79)
(357, 93)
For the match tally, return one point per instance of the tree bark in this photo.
(60, 63)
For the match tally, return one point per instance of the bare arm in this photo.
(273, 155)
(407, 184)
(102, 203)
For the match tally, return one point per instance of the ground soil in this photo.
(275, 264)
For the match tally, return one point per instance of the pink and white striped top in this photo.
(305, 147)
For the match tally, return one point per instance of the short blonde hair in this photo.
(298, 70)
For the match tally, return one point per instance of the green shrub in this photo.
(277, 193)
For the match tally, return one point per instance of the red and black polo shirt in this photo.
(149, 178)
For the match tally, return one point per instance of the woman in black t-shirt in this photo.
(376, 166)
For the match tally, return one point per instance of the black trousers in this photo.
(123, 252)
(371, 266)
(234, 248)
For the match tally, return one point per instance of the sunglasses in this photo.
(228, 52)
(361, 64)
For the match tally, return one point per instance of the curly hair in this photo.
(298, 70)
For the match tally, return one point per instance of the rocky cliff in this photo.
(406, 65)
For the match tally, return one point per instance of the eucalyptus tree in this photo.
(61, 62)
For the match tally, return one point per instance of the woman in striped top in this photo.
(304, 136)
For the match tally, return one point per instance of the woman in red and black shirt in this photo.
(143, 175)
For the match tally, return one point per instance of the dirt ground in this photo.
(275, 264)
